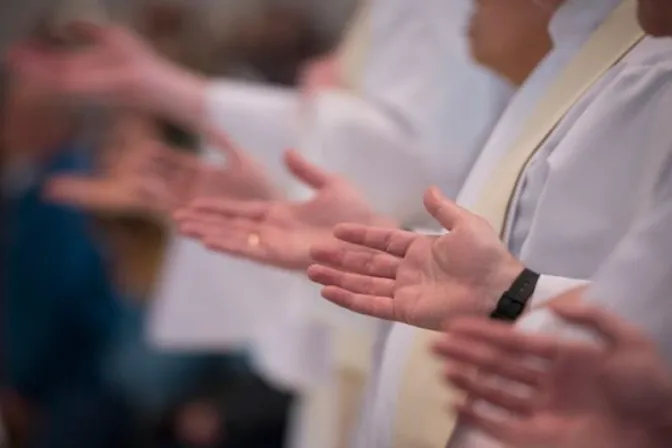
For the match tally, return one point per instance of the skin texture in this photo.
(614, 395)
(278, 233)
(417, 279)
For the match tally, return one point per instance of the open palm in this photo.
(417, 279)
(279, 233)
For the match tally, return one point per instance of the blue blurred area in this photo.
(60, 312)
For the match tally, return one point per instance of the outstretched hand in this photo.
(149, 181)
(115, 67)
(618, 395)
(417, 279)
(279, 233)
(155, 180)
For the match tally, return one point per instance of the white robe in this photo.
(636, 280)
(593, 181)
(578, 197)
(424, 109)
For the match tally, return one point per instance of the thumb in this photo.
(305, 171)
(445, 211)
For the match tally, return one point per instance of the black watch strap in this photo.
(512, 303)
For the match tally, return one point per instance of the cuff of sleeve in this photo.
(549, 287)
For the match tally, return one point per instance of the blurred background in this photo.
(77, 370)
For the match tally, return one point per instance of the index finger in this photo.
(393, 241)
(253, 210)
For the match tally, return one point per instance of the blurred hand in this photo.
(417, 279)
(279, 233)
(615, 396)
(150, 180)
(319, 74)
(157, 180)
(114, 67)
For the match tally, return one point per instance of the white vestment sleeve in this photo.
(550, 286)
(262, 120)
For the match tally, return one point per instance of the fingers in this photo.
(393, 241)
(108, 195)
(353, 283)
(355, 260)
(445, 211)
(78, 191)
(504, 337)
(611, 327)
(233, 239)
(161, 162)
(226, 208)
(506, 431)
(305, 171)
(480, 390)
(489, 360)
(369, 305)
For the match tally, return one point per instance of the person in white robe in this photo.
(581, 192)
(633, 284)
(616, 393)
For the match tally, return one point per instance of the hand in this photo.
(115, 67)
(614, 396)
(279, 233)
(416, 279)
(149, 180)
(155, 180)
(319, 74)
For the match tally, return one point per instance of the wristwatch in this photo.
(512, 303)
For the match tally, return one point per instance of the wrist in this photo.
(519, 283)
(502, 279)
